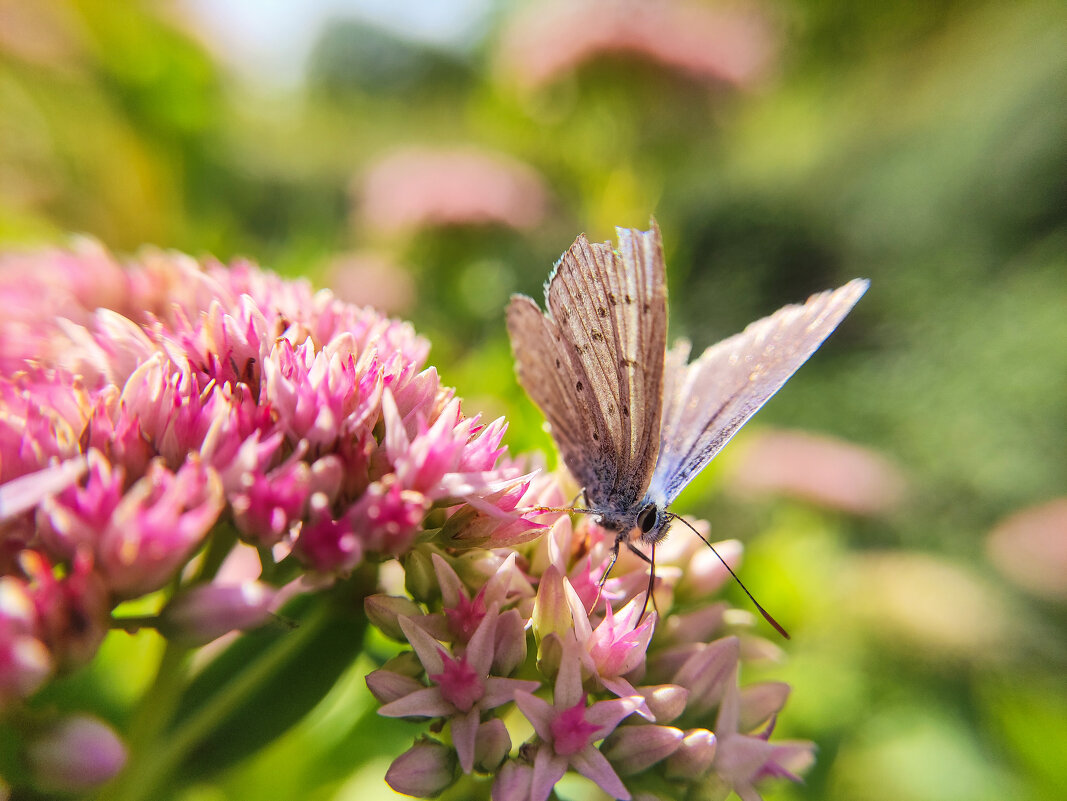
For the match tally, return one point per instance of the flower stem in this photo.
(163, 754)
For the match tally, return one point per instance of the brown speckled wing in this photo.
(594, 362)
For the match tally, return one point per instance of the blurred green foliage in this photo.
(922, 145)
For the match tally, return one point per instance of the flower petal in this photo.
(608, 714)
(548, 769)
(427, 648)
(464, 733)
(501, 691)
(594, 765)
(425, 703)
(537, 711)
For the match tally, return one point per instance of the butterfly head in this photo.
(646, 521)
(652, 522)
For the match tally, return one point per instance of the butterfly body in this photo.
(633, 421)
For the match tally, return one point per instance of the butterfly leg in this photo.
(607, 572)
(651, 576)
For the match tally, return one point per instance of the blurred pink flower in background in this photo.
(728, 45)
(371, 279)
(1030, 548)
(816, 468)
(416, 187)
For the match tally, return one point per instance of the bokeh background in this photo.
(903, 502)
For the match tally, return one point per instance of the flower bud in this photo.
(405, 663)
(665, 701)
(513, 782)
(550, 655)
(76, 755)
(204, 613)
(633, 749)
(760, 701)
(491, 745)
(424, 770)
(699, 625)
(386, 686)
(705, 573)
(694, 756)
(552, 611)
(24, 661)
(383, 611)
(510, 649)
(420, 579)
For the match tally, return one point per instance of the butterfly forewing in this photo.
(706, 402)
(594, 363)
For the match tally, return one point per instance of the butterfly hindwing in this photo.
(594, 362)
(707, 401)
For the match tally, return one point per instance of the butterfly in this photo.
(633, 421)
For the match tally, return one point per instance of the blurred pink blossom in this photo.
(418, 187)
(731, 45)
(75, 755)
(815, 468)
(369, 279)
(1030, 548)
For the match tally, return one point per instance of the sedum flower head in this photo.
(150, 409)
(645, 706)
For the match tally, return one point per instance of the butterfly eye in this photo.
(647, 518)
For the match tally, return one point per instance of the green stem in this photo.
(223, 537)
(154, 765)
(153, 714)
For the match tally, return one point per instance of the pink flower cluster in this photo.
(647, 708)
(153, 408)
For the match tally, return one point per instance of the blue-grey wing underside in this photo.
(707, 401)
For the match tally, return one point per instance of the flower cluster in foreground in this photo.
(206, 442)
(646, 706)
(155, 414)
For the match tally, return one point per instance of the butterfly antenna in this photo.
(766, 615)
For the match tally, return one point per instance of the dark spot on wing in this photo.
(597, 336)
(625, 410)
(579, 386)
(558, 365)
(596, 437)
(611, 408)
(628, 299)
(614, 301)
(601, 311)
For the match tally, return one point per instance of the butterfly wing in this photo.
(707, 401)
(594, 362)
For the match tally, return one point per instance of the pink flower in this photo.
(816, 468)
(617, 647)
(76, 755)
(462, 687)
(25, 662)
(208, 611)
(421, 187)
(722, 45)
(743, 760)
(156, 527)
(1030, 549)
(424, 770)
(71, 606)
(568, 729)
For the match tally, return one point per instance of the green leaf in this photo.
(268, 680)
